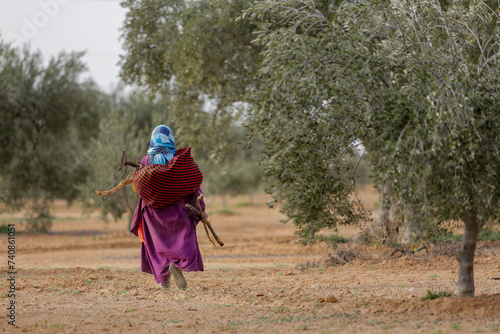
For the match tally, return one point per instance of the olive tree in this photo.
(203, 63)
(195, 55)
(117, 132)
(46, 116)
(415, 81)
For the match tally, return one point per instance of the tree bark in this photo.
(411, 229)
(466, 254)
(382, 219)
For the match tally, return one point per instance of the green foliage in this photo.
(441, 151)
(447, 238)
(363, 173)
(332, 239)
(437, 294)
(489, 234)
(46, 115)
(310, 158)
(240, 172)
(416, 83)
(437, 234)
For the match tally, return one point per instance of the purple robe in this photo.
(169, 235)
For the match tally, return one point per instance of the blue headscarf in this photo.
(162, 145)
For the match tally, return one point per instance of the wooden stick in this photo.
(199, 213)
(121, 185)
(195, 211)
(207, 223)
(208, 235)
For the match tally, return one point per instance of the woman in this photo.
(167, 180)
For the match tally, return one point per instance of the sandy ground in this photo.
(84, 277)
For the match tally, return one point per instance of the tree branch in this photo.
(424, 53)
(128, 180)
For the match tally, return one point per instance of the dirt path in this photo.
(84, 278)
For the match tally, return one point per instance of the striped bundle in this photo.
(160, 185)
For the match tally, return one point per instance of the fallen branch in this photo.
(406, 251)
(340, 259)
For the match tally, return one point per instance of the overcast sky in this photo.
(71, 25)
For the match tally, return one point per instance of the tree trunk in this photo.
(411, 228)
(386, 218)
(466, 253)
